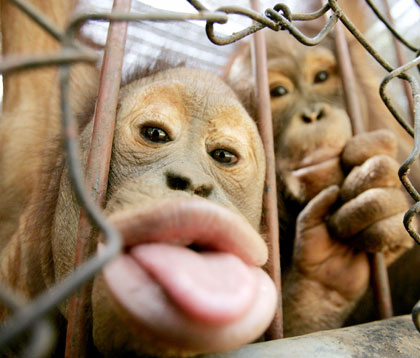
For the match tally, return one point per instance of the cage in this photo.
(30, 317)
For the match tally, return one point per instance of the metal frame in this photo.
(27, 315)
(265, 126)
(97, 174)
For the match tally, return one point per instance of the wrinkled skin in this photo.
(185, 191)
(339, 196)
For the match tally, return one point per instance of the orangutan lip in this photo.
(306, 163)
(194, 223)
(216, 287)
(318, 156)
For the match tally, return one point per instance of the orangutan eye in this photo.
(155, 134)
(278, 91)
(321, 76)
(224, 157)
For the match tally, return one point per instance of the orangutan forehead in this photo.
(188, 98)
(196, 82)
(284, 65)
(307, 60)
(320, 56)
(181, 105)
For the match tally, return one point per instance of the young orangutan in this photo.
(339, 196)
(185, 190)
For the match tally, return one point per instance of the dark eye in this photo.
(278, 91)
(224, 157)
(155, 134)
(321, 76)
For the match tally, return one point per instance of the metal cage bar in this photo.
(270, 214)
(78, 328)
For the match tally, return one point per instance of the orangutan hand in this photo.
(339, 225)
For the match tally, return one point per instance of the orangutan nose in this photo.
(177, 181)
(312, 115)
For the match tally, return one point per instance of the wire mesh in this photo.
(28, 315)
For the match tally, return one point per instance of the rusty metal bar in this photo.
(400, 61)
(379, 273)
(265, 125)
(380, 285)
(78, 327)
(349, 83)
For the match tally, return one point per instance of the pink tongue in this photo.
(214, 286)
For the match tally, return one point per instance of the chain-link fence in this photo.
(29, 317)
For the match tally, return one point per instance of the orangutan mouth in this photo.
(216, 285)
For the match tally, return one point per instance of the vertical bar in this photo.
(380, 285)
(262, 96)
(79, 322)
(379, 273)
(349, 83)
(400, 61)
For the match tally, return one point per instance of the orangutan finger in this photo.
(314, 212)
(366, 145)
(386, 235)
(317, 177)
(364, 210)
(380, 171)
